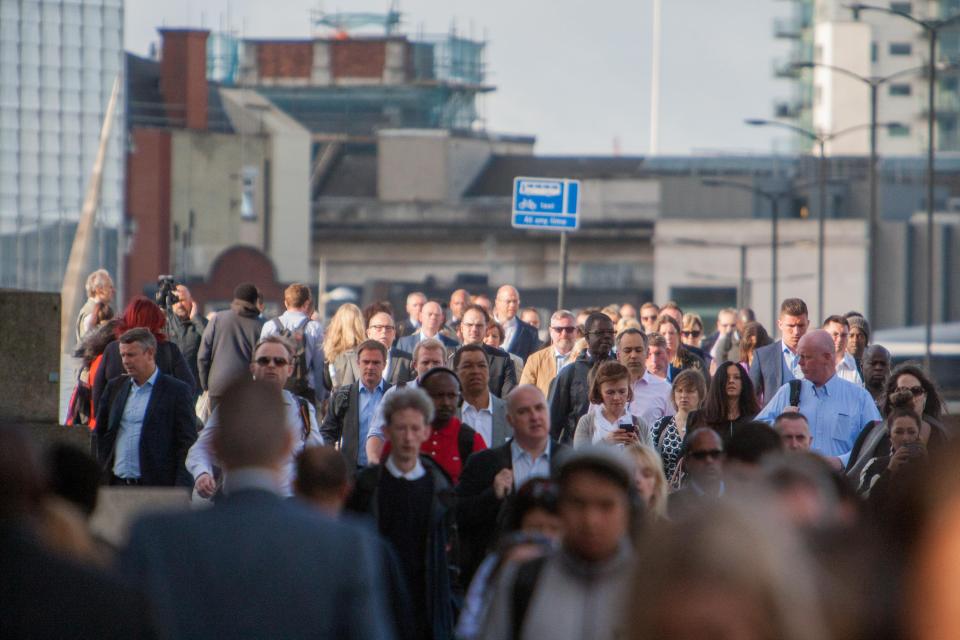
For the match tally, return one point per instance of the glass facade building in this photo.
(58, 63)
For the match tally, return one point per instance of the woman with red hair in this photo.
(142, 312)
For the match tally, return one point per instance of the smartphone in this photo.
(629, 428)
(915, 449)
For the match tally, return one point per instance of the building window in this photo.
(898, 130)
(901, 48)
(948, 84)
(902, 7)
(899, 90)
(874, 51)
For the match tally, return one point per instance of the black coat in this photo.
(526, 340)
(343, 421)
(187, 336)
(479, 510)
(442, 535)
(169, 360)
(169, 430)
(227, 346)
(570, 398)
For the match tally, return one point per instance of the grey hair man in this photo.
(100, 292)
(544, 365)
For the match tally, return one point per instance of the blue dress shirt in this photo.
(126, 461)
(525, 467)
(369, 403)
(836, 412)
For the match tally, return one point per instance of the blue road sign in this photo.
(546, 203)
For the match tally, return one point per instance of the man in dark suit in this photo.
(777, 364)
(145, 420)
(473, 329)
(353, 407)
(493, 475)
(703, 459)
(382, 328)
(520, 339)
(480, 409)
(570, 398)
(431, 326)
(258, 566)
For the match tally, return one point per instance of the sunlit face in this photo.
(817, 365)
(272, 363)
(431, 318)
(444, 390)
(428, 359)
(909, 382)
(615, 395)
(686, 398)
(382, 329)
(531, 317)
(904, 430)
(690, 335)
(458, 302)
(792, 328)
(493, 337)
(529, 415)
(645, 478)
(726, 322)
(563, 332)
(657, 361)
(473, 371)
(137, 361)
(600, 336)
(473, 327)
(371, 363)
(857, 342)
(648, 318)
(840, 334)
(506, 304)
(632, 354)
(669, 333)
(415, 303)
(734, 385)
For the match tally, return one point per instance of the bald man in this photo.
(836, 410)
(520, 338)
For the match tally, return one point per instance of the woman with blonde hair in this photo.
(650, 479)
(345, 333)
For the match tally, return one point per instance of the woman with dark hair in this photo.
(754, 336)
(730, 402)
(142, 313)
(681, 358)
(907, 446)
(531, 529)
(874, 440)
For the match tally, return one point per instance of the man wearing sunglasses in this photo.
(542, 367)
(703, 459)
(272, 364)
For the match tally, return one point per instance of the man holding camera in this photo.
(185, 325)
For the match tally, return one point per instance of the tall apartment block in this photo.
(872, 44)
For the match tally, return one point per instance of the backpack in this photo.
(795, 392)
(522, 593)
(299, 382)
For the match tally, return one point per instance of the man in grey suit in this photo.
(482, 410)
(255, 565)
(431, 325)
(777, 364)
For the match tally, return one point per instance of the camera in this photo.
(166, 292)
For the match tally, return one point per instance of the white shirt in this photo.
(509, 329)
(481, 419)
(561, 359)
(200, 458)
(603, 427)
(847, 370)
(414, 474)
(651, 398)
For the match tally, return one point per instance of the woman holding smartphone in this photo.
(608, 421)
(906, 448)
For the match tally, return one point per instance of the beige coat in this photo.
(541, 369)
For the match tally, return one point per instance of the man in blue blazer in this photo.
(255, 565)
(145, 420)
(777, 364)
(520, 338)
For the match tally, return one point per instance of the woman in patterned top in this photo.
(688, 393)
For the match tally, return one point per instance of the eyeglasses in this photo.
(277, 362)
(703, 455)
(916, 391)
(563, 329)
(383, 327)
(648, 318)
(690, 334)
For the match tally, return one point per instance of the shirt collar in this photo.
(847, 363)
(488, 408)
(379, 387)
(517, 451)
(293, 314)
(414, 474)
(152, 380)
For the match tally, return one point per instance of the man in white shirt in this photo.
(271, 365)
(482, 410)
(651, 394)
(839, 330)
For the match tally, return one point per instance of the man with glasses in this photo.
(703, 459)
(571, 394)
(306, 336)
(542, 367)
(381, 327)
(272, 364)
(472, 330)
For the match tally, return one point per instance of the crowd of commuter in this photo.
(458, 470)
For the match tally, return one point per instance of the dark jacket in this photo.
(408, 343)
(503, 375)
(343, 421)
(227, 346)
(187, 336)
(401, 369)
(768, 371)
(689, 360)
(169, 360)
(442, 535)
(257, 566)
(169, 430)
(526, 340)
(570, 399)
(479, 511)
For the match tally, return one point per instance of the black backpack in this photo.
(299, 381)
(526, 581)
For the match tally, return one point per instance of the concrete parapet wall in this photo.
(30, 353)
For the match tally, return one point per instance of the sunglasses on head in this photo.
(916, 391)
(279, 362)
(710, 453)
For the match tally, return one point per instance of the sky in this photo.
(573, 73)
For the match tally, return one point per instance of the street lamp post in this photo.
(821, 139)
(932, 27)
